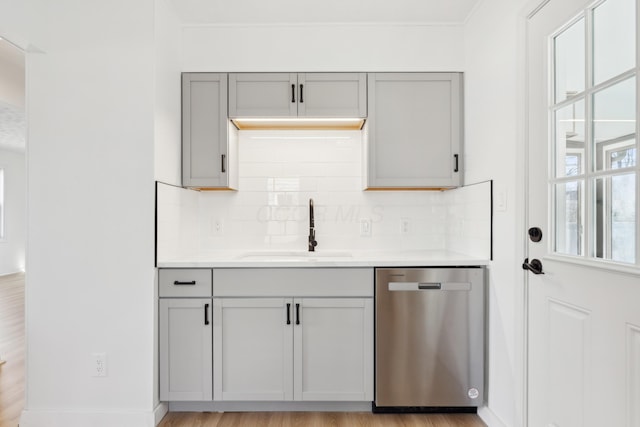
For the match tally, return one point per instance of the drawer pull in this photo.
(177, 282)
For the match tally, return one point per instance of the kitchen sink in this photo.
(293, 255)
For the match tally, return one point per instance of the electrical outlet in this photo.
(217, 227)
(405, 225)
(500, 201)
(365, 227)
(99, 365)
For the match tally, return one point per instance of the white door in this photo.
(333, 349)
(584, 311)
(253, 349)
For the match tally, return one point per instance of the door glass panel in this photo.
(570, 140)
(614, 39)
(614, 126)
(615, 217)
(569, 54)
(569, 211)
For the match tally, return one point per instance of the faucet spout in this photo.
(312, 232)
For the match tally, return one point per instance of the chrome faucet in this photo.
(312, 231)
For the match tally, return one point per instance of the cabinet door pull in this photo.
(455, 169)
(293, 93)
(206, 314)
(177, 282)
(223, 161)
(297, 314)
(301, 94)
(288, 313)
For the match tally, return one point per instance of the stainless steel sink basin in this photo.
(293, 255)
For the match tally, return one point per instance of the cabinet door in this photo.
(205, 130)
(332, 95)
(253, 349)
(263, 95)
(185, 349)
(333, 355)
(415, 130)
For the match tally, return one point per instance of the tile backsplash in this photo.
(279, 171)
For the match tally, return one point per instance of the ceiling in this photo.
(12, 116)
(323, 11)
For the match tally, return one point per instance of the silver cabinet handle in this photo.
(427, 286)
(433, 285)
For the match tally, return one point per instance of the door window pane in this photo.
(614, 39)
(570, 140)
(614, 126)
(569, 50)
(615, 217)
(569, 214)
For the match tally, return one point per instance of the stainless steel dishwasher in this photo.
(429, 339)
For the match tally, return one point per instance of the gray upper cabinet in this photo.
(319, 95)
(414, 130)
(208, 141)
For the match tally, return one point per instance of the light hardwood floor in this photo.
(317, 419)
(11, 349)
(12, 388)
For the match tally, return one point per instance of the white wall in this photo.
(90, 281)
(168, 139)
(324, 47)
(491, 134)
(12, 247)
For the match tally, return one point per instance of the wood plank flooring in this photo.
(12, 374)
(317, 419)
(11, 349)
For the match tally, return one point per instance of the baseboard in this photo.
(490, 418)
(159, 413)
(233, 406)
(50, 418)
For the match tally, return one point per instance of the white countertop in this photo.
(303, 259)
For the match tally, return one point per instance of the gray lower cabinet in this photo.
(185, 335)
(315, 95)
(414, 130)
(185, 349)
(209, 141)
(316, 344)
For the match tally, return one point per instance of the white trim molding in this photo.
(490, 418)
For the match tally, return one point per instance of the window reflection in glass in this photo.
(614, 39)
(614, 126)
(569, 48)
(569, 128)
(569, 213)
(615, 217)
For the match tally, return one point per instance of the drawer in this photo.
(185, 282)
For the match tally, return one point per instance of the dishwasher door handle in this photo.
(426, 286)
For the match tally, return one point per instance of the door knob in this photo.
(535, 266)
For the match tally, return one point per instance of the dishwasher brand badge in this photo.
(473, 393)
